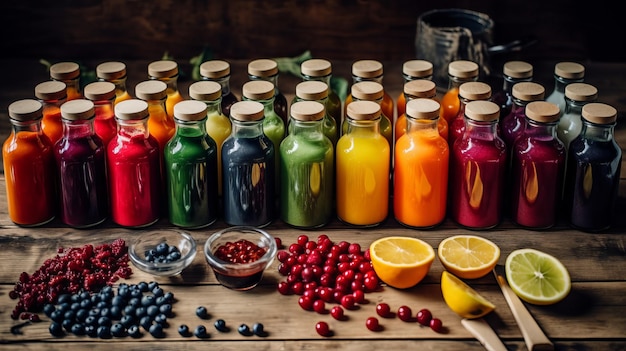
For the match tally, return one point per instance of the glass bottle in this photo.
(459, 72)
(68, 73)
(321, 70)
(415, 89)
(307, 173)
(161, 125)
(248, 168)
(512, 125)
(538, 168)
(470, 91)
(267, 70)
(362, 160)
(80, 159)
(219, 71)
(577, 95)
(371, 71)
(191, 168)
(371, 91)
(421, 168)
(318, 91)
(51, 94)
(593, 170)
(102, 94)
(477, 169)
(133, 163)
(114, 72)
(167, 72)
(412, 70)
(565, 73)
(512, 72)
(218, 125)
(29, 167)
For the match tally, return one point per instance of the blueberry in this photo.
(75, 298)
(162, 248)
(220, 325)
(161, 319)
(147, 300)
(104, 332)
(86, 303)
(64, 307)
(129, 310)
(201, 332)
(91, 330)
(127, 320)
(94, 312)
(56, 329)
(202, 312)
(174, 256)
(78, 329)
(140, 312)
(102, 304)
(244, 330)
(63, 298)
(105, 312)
(123, 292)
(75, 306)
(169, 297)
(136, 293)
(82, 314)
(156, 330)
(57, 316)
(118, 301)
(134, 331)
(48, 309)
(166, 309)
(116, 312)
(258, 329)
(85, 295)
(104, 321)
(146, 322)
(118, 330)
(158, 292)
(183, 330)
(91, 320)
(67, 324)
(152, 311)
(134, 301)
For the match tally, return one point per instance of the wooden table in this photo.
(593, 316)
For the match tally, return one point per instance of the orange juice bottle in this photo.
(372, 71)
(161, 125)
(51, 94)
(362, 159)
(459, 72)
(68, 73)
(421, 168)
(167, 71)
(114, 72)
(372, 91)
(419, 89)
(412, 70)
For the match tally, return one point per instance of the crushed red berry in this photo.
(240, 251)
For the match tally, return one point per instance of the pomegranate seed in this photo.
(279, 242)
(322, 329)
(424, 317)
(372, 324)
(405, 314)
(383, 310)
(354, 248)
(436, 325)
(337, 312)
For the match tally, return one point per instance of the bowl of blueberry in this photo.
(163, 252)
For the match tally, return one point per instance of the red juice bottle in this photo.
(52, 94)
(512, 72)
(102, 94)
(267, 69)
(412, 70)
(68, 73)
(470, 91)
(114, 72)
(477, 169)
(80, 158)
(219, 71)
(134, 173)
(512, 125)
(538, 168)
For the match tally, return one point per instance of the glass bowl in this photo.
(239, 255)
(147, 251)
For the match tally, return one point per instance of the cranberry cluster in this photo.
(72, 270)
(240, 251)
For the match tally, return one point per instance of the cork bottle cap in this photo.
(422, 108)
(316, 68)
(247, 111)
(258, 90)
(518, 69)
(421, 88)
(581, 92)
(312, 90)
(475, 91)
(599, 113)
(417, 68)
(569, 70)
(363, 110)
(263, 68)
(78, 109)
(528, 91)
(99, 91)
(543, 111)
(26, 110)
(205, 90)
(111, 70)
(163, 69)
(151, 90)
(463, 69)
(190, 110)
(485, 111)
(65, 70)
(307, 111)
(215, 69)
(51, 90)
(367, 69)
(131, 109)
(367, 90)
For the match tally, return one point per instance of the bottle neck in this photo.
(325, 79)
(224, 82)
(310, 130)
(539, 130)
(482, 130)
(455, 82)
(363, 126)
(247, 129)
(597, 132)
(421, 124)
(574, 107)
(104, 108)
(133, 128)
(33, 126)
(407, 78)
(191, 128)
(171, 82)
(157, 106)
(120, 85)
(268, 107)
(214, 107)
(509, 82)
(356, 79)
(560, 83)
(78, 129)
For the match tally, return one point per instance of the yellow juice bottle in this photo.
(167, 71)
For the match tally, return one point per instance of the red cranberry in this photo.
(405, 314)
(302, 240)
(383, 310)
(319, 306)
(354, 248)
(284, 288)
(372, 324)
(347, 301)
(436, 325)
(359, 296)
(424, 317)
(337, 312)
(305, 302)
(322, 329)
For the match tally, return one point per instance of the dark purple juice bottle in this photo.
(80, 157)
(512, 124)
(512, 72)
(593, 170)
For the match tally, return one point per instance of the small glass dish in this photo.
(248, 271)
(144, 255)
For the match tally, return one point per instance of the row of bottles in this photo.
(419, 160)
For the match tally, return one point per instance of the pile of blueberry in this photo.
(163, 253)
(105, 315)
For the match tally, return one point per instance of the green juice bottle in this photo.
(318, 91)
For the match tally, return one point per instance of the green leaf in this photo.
(340, 86)
(291, 65)
(198, 60)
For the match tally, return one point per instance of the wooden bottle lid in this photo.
(422, 108)
(475, 91)
(421, 88)
(263, 68)
(528, 91)
(215, 69)
(316, 68)
(99, 91)
(163, 69)
(190, 110)
(26, 110)
(569, 70)
(581, 92)
(463, 69)
(518, 69)
(312, 90)
(258, 90)
(111, 70)
(131, 109)
(65, 70)
(307, 111)
(205, 90)
(363, 110)
(246, 111)
(51, 90)
(78, 109)
(599, 113)
(485, 111)
(543, 111)
(417, 68)
(367, 90)
(151, 90)
(367, 69)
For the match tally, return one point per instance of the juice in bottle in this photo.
(570, 124)
(317, 69)
(160, 124)
(102, 94)
(371, 71)
(52, 94)
(414, 89)
(318, 91)
(219, 71)
(512, 125)
(167, 72)
(68, 73)
(513, 72)
(470, 91)
(412, 70)
(459, 72)
(114, 72)
(267, 70)
(371, 91)
(565, 73)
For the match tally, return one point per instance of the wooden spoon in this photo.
(484, 333)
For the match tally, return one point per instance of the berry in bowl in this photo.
(163, 252)
(239, 255)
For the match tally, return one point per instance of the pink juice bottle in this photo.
(470, 91)
(477, 169)
(512, 124)
(102, 94)
(538, 168)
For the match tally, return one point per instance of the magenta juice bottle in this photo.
(512, 124)
(478, 164)
(538, 168)
(470, 91)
